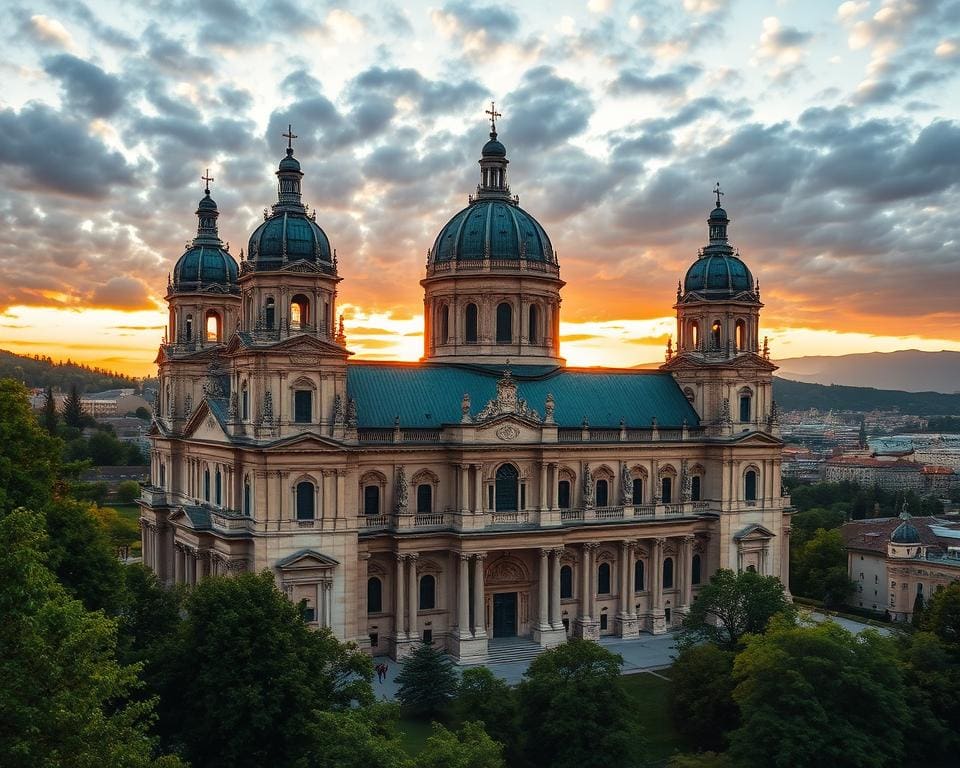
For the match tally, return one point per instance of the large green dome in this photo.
(495, 229)
(290, 236)
(205, 265)
(717, 276)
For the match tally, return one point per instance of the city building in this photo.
(112, 402)
(890, 473)
(895, 560)
(487, 491)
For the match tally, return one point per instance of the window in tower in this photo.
(244, 402)
(371, 500)
(444, 324)
(213, 325)
(247, 506)
(302, 406)
(563, 494)
(218, 487)
(715, 334)
(269, 313)
(637, 490)
(188, 332)
(750, 485)
(299, 311)
(741, 335)
(424, 499)
(534, 321)
(745, 407)
(470, 324)
(507, 488)
(695, 488)
(305, 501)
(504, 323)
(666, 490)
(566, 582)
(602, 493)
(695, 335)
(603, 579)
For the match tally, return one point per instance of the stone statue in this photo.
(588, 493)
(338, 419)
(548, 409)
(267, 417)
(402, 491)
(352, 413)
(465, 409)
(686, 482)
(234, 405)
(725, 417)
(626, 485)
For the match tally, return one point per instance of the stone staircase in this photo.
(511, 650)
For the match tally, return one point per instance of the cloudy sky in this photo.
(833, 129)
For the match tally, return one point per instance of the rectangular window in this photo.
(309, 614)
(563, 494)
(490, 497)
(302, 406)
(745, 408)
(428, 636)
(523, 495)
(603, 622)
(374, 639)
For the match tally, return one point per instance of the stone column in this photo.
(479, 619)
(658, 622)
(555, 620)
(319, 612)
(144, 544)
(399, 593)
(177, 564)
(478, 488)
(687, 572)
(341, 495)
(585, 582)
(463, 598)
(544, 601)
(412, 606)
(192, 567)
(555, 486)
(464, 470)
(625, 568)
(328, 604)
(544, 471)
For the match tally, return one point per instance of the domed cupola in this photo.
(718, 273)
(205, 266)
(493, 282)
(288, 234)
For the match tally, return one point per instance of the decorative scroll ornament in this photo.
(507, 402)
(402, 491)
(588, 493)
(626, 485)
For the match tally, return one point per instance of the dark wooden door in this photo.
(505, 614)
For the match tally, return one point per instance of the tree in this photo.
(916, 618)
(932, 675)
(573, 711)
(240, 682)
(359, 738)
(149, 617)
(50, 419)
(128, 491)
(731, 605)
(63, 696)
(427, 683)
(73, 415)
(484, 697)
(105, 449)
(818, 695)
(819, 569)
(470, 748)
(29, 457)
(701, 696)
(142, 413)
(942, 615)
(81, 555)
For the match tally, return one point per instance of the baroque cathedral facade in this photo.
(486, 491)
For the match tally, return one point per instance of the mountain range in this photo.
(908, 370)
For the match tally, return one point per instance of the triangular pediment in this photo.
(307, 441)
(754, 532)
(756, 438)
(694, 362)
(306, 559)
(204, 424)
(508, 428)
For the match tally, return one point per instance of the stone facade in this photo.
(487, 506)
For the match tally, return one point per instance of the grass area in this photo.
(649, 692)
(123, 528)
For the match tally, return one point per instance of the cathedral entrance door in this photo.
(505, 614)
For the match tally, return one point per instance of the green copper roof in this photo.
(496, 229)
(429, 394)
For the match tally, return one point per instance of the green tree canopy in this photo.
(818, 569)
(932, 675)
(63, 696)
(811, 696)
(732, 605)
(50, 418)
(73, 415)
(942, 615)
(573, 711)
(484, 697)
(128, 491)
(427, 682)
(242, 679)
(470, 748)
(29, 456)
(364, 737)
(701, 696)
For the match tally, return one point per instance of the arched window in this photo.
(745, 407)
(189, 328)
(603, 579)
(740, 335)
(715, 332)
(212, 325)
(444, 324)
(566, 582)
(534, 324)
(504, 323)
(269, 313)
(695, 570)
(374, 595)
(428, 592)
(563, 494)
(666, 490)
(244, 402)
(695, 335)
(638, 490)
(305, 509)
(638, 576)
(246, 497)
(750, 485)
(424, 499)
(470, 333)
(163, 475)
(218, 487)
(506, 488)
(303, 406)
(299, 311)
(371, 500)
(206, 485)
(602, 491)
(668, 573)
(695, 488)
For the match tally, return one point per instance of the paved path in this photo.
(848, 624)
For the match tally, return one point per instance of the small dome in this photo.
(905, 533)
(718, 275)
(718, 214)
(292, 235)
(289, 163)
(203, 267)
(207, 203)
(492, 228)
(493, 148)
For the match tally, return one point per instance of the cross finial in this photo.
(493, 117)
(718, 193)
(289, 136)
(207, 178)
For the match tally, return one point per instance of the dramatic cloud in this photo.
(87, 88)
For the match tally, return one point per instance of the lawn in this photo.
(649, 692)
(123, 528)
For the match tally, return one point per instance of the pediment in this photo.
(203, 424)
(694, 362)
(508, 428)
(763, 439)
(754, 532)
(307, 559)
(307, 441)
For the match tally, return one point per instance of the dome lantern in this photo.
(493, 163)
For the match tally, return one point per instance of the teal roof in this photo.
(292, 234)
(718, 276)
(492, 228)
(203, 266)
(429, 394)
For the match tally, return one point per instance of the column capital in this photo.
(413, 556)
(400, 557)
(688, 538)
(480, 556)
(464, 556)
(557, 552)
(545, 552)
(590, 545)
(364, 555)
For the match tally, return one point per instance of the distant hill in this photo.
(799, 395)
(44, 372)
(908, 370)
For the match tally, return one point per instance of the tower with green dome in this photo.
(492, 288)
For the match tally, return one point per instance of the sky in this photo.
(833, 129)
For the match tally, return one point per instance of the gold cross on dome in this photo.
(718, 193)
(493, 116)
(289, 136)
(207, 178)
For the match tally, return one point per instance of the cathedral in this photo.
(487, 491)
